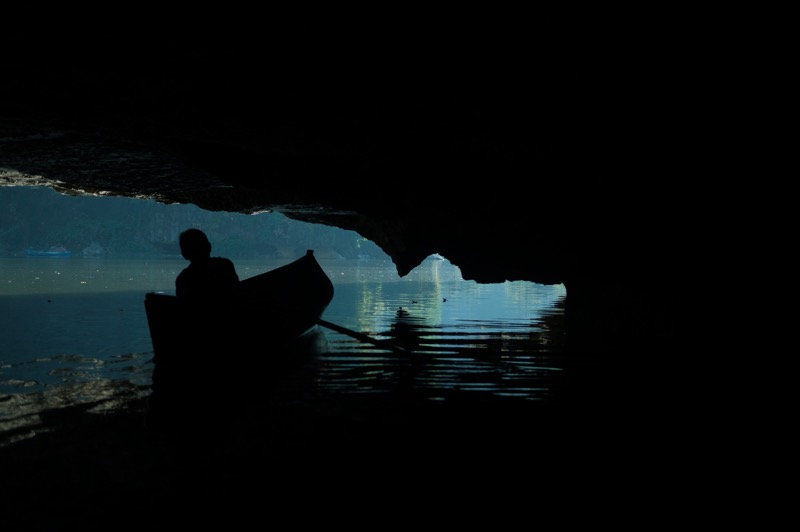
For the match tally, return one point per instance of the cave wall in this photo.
(522, 155)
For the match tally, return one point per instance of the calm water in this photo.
(74, 329)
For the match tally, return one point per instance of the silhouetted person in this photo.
(206, 277)
(187, 384)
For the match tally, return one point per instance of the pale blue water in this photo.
(73, 328)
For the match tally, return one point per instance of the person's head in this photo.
(194, 245)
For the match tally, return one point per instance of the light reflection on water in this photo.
(74, 330)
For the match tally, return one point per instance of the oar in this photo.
(385, 344)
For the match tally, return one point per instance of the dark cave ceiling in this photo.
(535, 151)
(527, 159)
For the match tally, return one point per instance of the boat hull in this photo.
(219, 348)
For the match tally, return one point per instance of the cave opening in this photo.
(510, 334)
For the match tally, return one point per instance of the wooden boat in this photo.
(223, 347)
(268, 309)
(60, 252)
